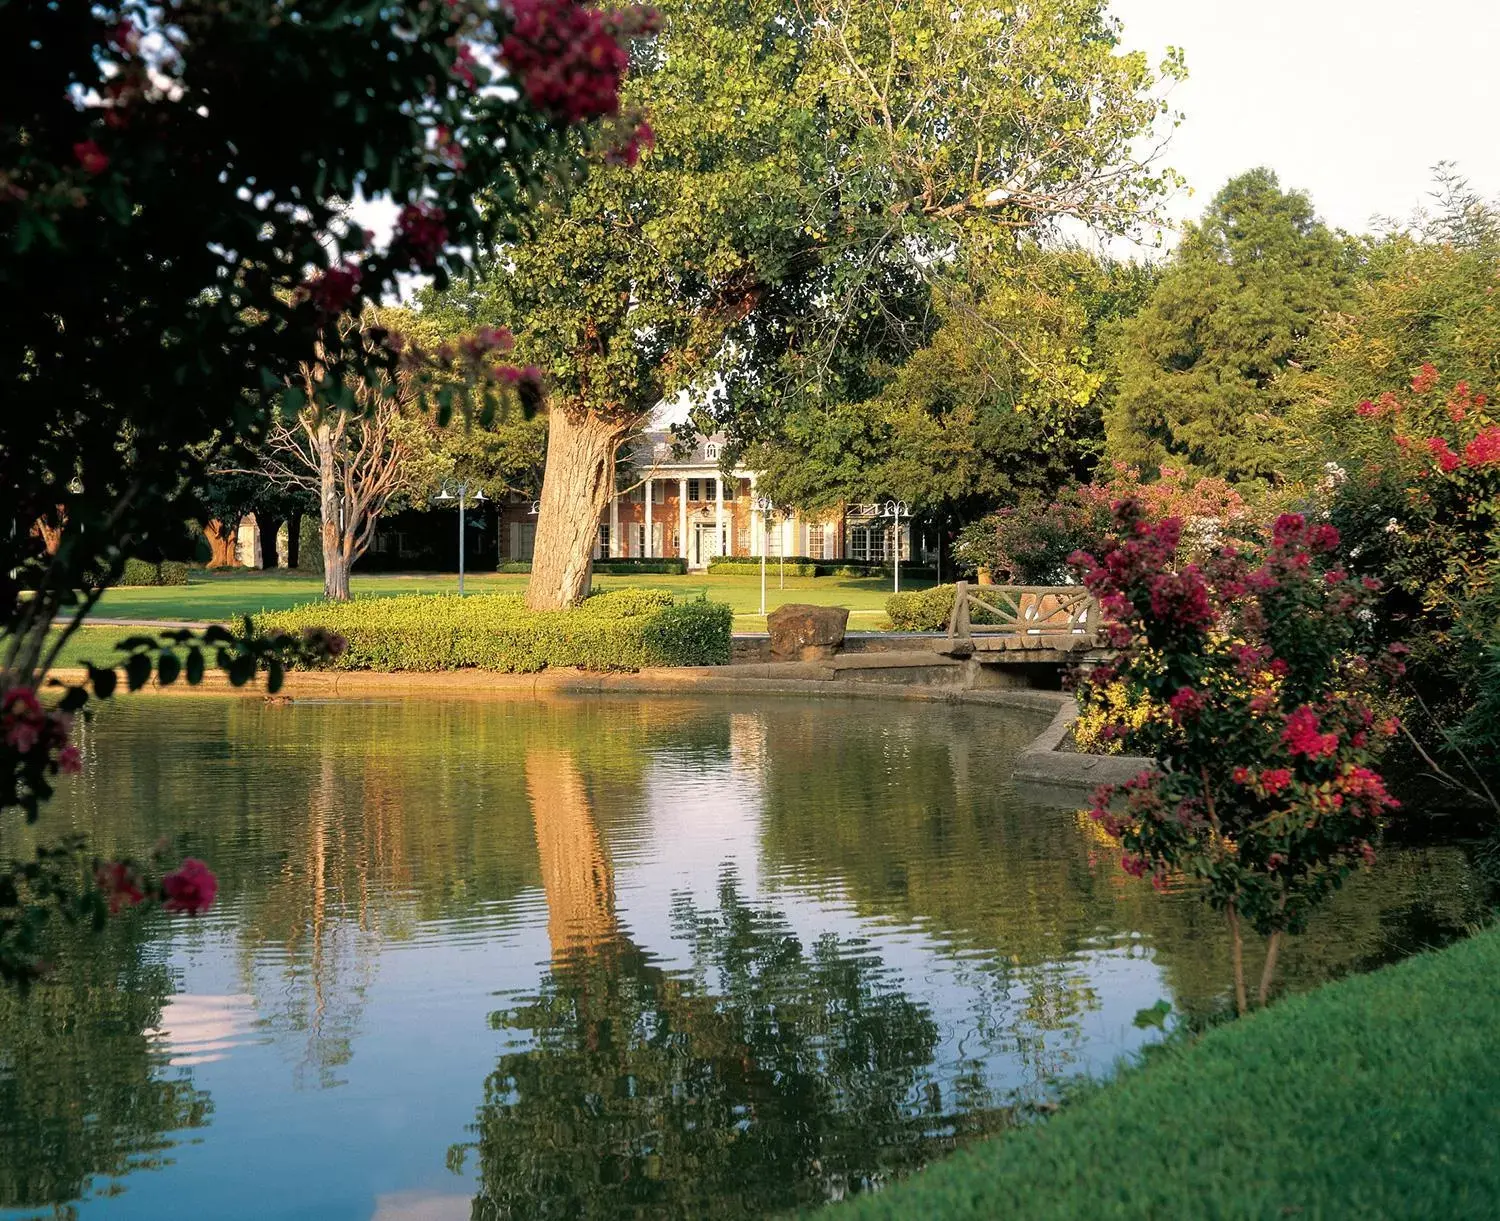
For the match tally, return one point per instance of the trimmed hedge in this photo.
(615, 568)
(623, 629)
(661, 566)
(143, 572)
(738, 565)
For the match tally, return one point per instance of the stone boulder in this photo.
(806, 633)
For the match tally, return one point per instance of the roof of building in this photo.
(654, 451)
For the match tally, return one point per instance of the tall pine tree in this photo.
(1198, 366)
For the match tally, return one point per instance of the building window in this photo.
(711, 451)
(637, 494)
(659, 491)
(603, 542)
(815, 536)
(695, 490)
(742, 541)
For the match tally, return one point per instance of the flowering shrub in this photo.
(1422, 511)
(1115, 715)
(1264, 789)
(1031, 543)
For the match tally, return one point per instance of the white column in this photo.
(648, 548)
(719, 512)
(682, 538)
(614, 526)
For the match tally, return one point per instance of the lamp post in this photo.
(444, 497)
(897, 511)
(765, 506)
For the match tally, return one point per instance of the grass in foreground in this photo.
(1374, 1097)
(220, 597)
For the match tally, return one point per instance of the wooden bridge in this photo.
(1009, 624)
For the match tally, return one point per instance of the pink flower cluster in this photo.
(36, 734)
(421, 234)
(335, 290)
(1302, 735)
(190, 888)
(568, 58)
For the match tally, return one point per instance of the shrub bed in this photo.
(623, 629)
(144, 572)
(615, 568)
(733, 565)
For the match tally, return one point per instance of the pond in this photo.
(595, 958)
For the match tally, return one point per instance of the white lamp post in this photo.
(897, 511)
(479, 498)
(765, 506)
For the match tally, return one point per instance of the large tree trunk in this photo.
(579, 477)
(335, 561)
(270, 549)
(294, 540)
(222, 538)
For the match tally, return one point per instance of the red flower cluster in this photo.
(568, 58)
(421, 234)
(39, 736)
(334, 291)
(1303, 737)
(120, 884)
(1483, 448)
(190, 888)
(91, 157)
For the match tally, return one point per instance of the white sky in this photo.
(1351, 100)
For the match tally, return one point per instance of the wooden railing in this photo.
(1022, 610)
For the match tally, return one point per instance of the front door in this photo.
(705, 544)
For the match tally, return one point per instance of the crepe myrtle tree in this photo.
(175, 181)
(1264, 789)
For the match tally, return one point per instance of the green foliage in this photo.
(669, 566)
(143, 572)
(620, 630)
(1002, 401)
(1198, 366)
(1371, 1097)
(924, 610)
(927, 610)
(793, 566)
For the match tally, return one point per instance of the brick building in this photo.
(671, 506)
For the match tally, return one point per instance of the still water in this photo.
(594, 958)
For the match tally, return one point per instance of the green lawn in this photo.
(224, 596)
(1374, 1097)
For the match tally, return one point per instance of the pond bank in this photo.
(1377, 1096)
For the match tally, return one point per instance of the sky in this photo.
(1351, 100)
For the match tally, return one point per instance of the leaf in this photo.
(104, 681)
(138, 670)
(195, 666)
(1155, 1016)
(168, 668)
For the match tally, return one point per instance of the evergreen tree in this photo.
(1198, 367)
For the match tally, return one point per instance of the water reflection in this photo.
(595, 958)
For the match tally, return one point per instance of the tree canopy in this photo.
(1199, 365)
(814, 168)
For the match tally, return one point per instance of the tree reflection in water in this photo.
(771, 1074)
(86, 1092)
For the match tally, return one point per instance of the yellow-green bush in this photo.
(928, 610)
(1112, 705)
(623, 629)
